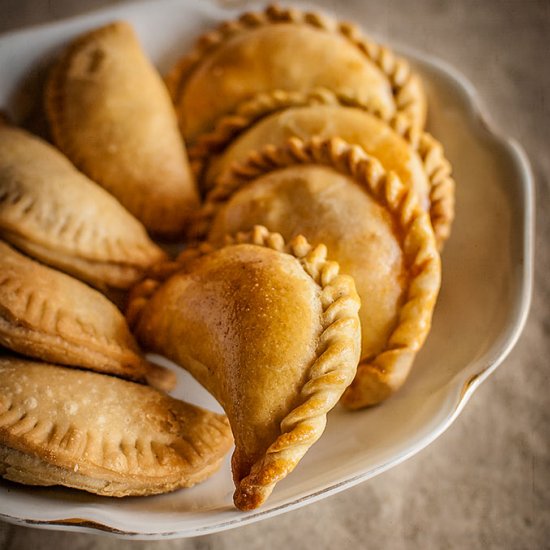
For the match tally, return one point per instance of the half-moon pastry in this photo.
(287, 49)
(51, 316)
(57, 215)
(334, 193)
(270, 330)
(110, 113)
(271, 118)
(100, 434)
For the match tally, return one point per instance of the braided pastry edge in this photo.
(330, 374)
(378, 377)
(406, 86)
(436, 167)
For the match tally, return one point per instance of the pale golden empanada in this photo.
(270, 330)
(111, 115)
(51, 316)
(100, 434)
(373, 226)
(292, 50)
(271, 118)
(57, 215)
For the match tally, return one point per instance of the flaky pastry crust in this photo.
(328, 372)
(379, 376)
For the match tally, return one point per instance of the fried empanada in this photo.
(100, 434)
(110, 113)
(271, 118)
(51, 316)
(291, 50)
(270, 330)
(57, 215)
(334, 193)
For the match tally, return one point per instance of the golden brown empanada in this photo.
(271, 118)
(287, 49)
(270, 330)
(100, 434)
(51, 316)
(372, 224)
(57, 215)
(111, 115)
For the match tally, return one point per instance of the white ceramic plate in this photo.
(481, 310)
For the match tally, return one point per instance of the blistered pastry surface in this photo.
(107, 435)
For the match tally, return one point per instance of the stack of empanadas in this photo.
(299, 123)
(309, 276)
(61, 425)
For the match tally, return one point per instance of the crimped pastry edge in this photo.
(22, 461)
(107, 263)
(330, 373)
(406, 86)
(22, 334)
(378, 377)
(23, 468)
(102, 275)
(436, 166)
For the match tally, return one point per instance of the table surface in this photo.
(485, 483)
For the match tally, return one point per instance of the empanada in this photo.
(51, 316)
(270, 330)
(110, 113)
(373, 226)
(273, 117)
(296, 51)
(57, 215)
(100, 434)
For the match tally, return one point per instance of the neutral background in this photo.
(486, 482)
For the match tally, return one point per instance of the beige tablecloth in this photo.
(486, 482)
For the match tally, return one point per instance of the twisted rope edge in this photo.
(329, 375)
(333, 370)
(437, 168)
(406, 86)
(419, 246)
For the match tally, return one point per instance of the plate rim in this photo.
(514, 326)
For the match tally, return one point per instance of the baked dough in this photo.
(57, 215)
(273, 117)
(100, 434)
(110, 113)
(373, 226)
(51, 316)
(288, 49)
(271, 330)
